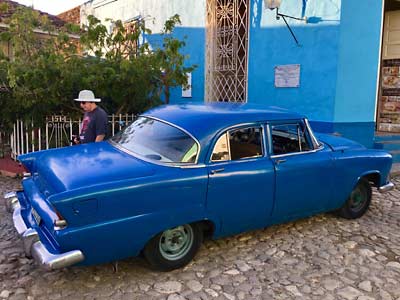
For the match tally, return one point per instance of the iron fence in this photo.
(55, 133)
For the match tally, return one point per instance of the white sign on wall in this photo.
(287, 76)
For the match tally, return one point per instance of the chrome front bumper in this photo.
(386, 188)
(33, 247)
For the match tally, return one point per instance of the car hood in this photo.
(338, 143)
(82, 166)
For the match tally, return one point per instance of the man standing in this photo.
(94, 124)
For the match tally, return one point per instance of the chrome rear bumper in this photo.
(386, 188)
(33, 247)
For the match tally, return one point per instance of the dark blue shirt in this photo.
(94, 123)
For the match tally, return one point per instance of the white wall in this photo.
(155, 12)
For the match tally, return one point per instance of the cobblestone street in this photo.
(322, 257)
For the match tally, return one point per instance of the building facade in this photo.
(332, 60)
(10, 7)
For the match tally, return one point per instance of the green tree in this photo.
(154, 72)
(39, 53)
(47, 69)
(170, 60)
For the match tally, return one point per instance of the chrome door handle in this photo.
(216, 171)
(279, 161)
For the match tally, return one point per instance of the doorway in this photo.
(227, 50)
(388, 114)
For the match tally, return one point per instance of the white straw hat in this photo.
(87, 96)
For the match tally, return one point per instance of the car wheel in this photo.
(358, 202)
(173, 248)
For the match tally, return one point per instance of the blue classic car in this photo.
(180, 173)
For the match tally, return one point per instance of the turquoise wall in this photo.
(360, 39)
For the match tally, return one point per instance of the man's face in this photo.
(87, 106)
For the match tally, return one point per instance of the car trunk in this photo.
(69, 168)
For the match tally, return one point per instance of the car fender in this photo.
(162, 221)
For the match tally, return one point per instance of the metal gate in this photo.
(227, 49)
(57, 132)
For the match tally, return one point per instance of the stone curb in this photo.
(10, 174)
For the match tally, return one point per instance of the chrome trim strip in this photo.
(313, 137)
(267, 139)
(198, 166)
(33, 247)
(19, 223)
(298, 153)
(156, 162)
(386, 188)
(55, 261)
(10, 195)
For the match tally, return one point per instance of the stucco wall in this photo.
(155, 12)
(338, 54)
(339, 58)
(358, 61)
(358, 54)
(271, 44)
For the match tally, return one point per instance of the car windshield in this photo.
(158, 141)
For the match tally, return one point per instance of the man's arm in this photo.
(100, 137)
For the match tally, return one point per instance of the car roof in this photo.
(203, 120)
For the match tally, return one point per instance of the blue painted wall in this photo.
(358, 61)
(194, 49)
(271, 44)
(195, 39)
(338, 55)
(358, 57)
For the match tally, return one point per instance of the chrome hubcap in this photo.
(175, 243)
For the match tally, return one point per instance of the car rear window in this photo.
(157, 141)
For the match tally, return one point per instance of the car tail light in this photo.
(60, 223)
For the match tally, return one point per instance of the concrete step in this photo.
(388, 145)
(382, 138)
(395, 155)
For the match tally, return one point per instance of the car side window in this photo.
(221, 150)
(290, 138)
(239, 144)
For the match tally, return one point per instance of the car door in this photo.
(241, 180)
(303, 167)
